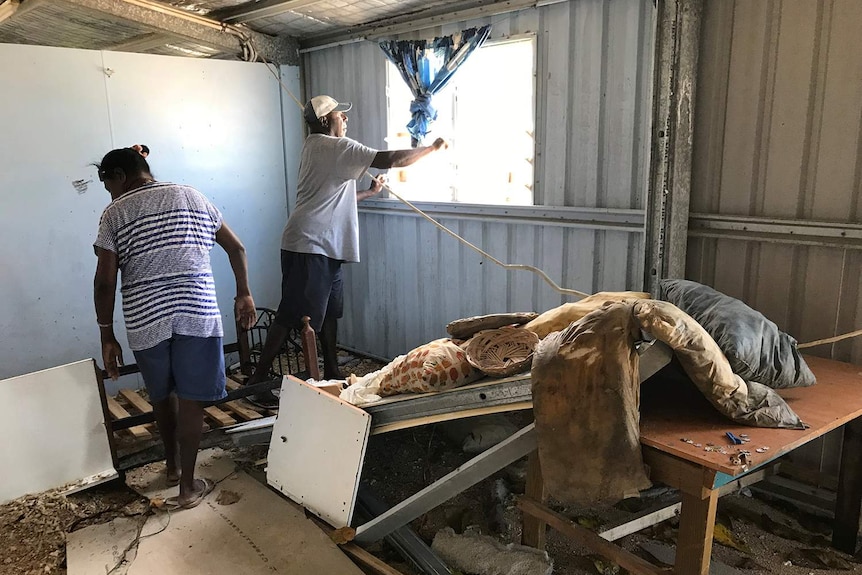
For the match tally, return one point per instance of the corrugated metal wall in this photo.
(594, 69)
(777, 169)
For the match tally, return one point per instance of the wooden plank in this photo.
(696, 526)
(832, 402)
(683, 475)
(233, 382)
(587, 538)
(309, 349)
(365, 559)
(136, 400)
(646, 518)
(117, 411)
(847, 505)
(218, 417)
(240, 410)
(656, 514)
(534, 530)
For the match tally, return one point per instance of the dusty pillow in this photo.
(435, 366)
(756, 349)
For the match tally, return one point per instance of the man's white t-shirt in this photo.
(325, 219)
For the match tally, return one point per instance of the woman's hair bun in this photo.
(142, 149)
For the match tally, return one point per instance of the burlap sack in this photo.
(586, 393)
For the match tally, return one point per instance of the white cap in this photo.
(320, 106)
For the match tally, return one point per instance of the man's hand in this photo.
(244, 312)
(439, 143)
(112, 355)
(377, 184)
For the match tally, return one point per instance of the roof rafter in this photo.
(255, 10)
(165, 19)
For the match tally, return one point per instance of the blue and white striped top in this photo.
(162, 234)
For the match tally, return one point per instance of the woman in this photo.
(159, 236)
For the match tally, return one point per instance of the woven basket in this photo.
(501, 352)
(464, 328)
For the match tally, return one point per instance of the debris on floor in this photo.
(242, 527)
(33, 529)
(472, 552)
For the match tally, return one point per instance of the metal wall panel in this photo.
(594, 69)
(778, 169)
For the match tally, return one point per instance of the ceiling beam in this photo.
(255, 10)
(8, 9)
(143, 42)
(428, 18)
(178, 23)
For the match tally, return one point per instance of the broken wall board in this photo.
(317, 449)
(258, 533)
(60, 438)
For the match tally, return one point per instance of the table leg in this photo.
(849, 500)
(534, 529)
(696, 525)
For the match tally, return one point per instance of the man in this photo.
(323, 230)
(160, 235)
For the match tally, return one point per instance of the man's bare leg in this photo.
(328, 339)
(189, 429)
(166, 420)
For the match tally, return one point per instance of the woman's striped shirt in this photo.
(162, 234)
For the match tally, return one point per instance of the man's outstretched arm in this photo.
(401, 158)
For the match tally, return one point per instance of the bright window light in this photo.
(486, 113)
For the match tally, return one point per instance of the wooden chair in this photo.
(300, 343)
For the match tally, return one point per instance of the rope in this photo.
(824, 341)
(535, 270)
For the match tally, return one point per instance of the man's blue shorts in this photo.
(192, 367)
(312, 285)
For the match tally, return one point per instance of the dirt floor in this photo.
(753, 534)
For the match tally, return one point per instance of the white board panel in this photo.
(317, 449)
(55, 432)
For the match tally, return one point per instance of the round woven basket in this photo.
(501, 352)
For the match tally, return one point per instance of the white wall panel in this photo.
(215, 125)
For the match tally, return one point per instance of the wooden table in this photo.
(835, 401)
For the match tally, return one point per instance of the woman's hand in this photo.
(112, 355)
(244, 312)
